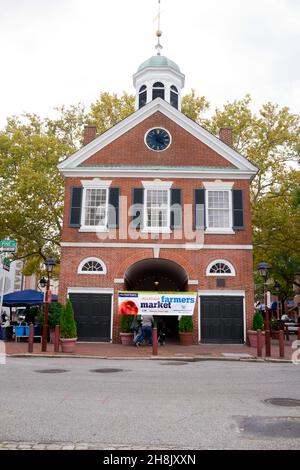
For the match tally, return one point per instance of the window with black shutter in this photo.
(138, 207)
(113, 208)
(75, 209)
(176, 208)
(199, 209)
(238, 209)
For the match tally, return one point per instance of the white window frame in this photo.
(94, 273)
(219, 186)
(154, 186)
(223, 261)
(94, 184)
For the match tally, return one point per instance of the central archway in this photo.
(162, 275)
(156, 274)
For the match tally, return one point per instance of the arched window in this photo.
(220, 267)
(92, 266)
(158, 91)
(142, 96)
(174, 96)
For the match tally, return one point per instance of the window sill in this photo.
(93, 229)
(156, 230)
(220, 231)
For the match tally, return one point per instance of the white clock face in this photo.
(158, 139)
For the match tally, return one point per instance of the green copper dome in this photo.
(159, 61)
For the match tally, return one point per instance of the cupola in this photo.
(158, 77)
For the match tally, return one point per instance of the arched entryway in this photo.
(161, 275)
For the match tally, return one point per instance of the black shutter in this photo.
(199, 208)
(75, 209)
(176, 209)
(238, 209)
(113, 207)
(138, 207)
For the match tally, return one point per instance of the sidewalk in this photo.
(175, 351)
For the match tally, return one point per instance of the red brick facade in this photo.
(185, 150)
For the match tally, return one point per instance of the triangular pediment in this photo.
(236, 160)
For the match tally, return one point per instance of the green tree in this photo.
(109, 110)
(68, 327)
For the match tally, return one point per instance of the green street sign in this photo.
(6, 264)
(8, 245)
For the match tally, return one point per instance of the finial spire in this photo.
(158, 46)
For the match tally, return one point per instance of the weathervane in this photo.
(158, 46)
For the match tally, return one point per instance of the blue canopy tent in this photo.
(25, 298)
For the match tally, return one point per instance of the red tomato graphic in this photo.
(128, 307)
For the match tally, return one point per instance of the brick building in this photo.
(158, 203)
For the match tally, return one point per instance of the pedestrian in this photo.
(4, 327)
(147, 324)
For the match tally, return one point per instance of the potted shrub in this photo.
(126, 333)
(68, 329)
(257, 324)
(186, 328)
(275, 327)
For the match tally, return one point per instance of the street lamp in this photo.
(49, 265)
(263, 269)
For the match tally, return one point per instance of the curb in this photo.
(156, 358)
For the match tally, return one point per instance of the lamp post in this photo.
(49, 265)
(263, 271)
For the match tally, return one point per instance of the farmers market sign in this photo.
(157, 303)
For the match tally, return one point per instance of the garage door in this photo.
(93, 316)
(222, 319)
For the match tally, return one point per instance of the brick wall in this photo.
(130, 149)
(195, 262)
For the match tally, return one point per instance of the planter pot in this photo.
(126, 338)
(252, 336)
(275, 334)
(186, 338)
(68, 344)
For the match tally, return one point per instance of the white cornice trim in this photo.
(187, 246)
(159, 105)
(90, 290)
(157, 184)
(96, 183)
(217, 185)
(238, 293)
(160, 173)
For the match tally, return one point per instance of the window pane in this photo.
(218, 209)
(95, 207)
(157, 208)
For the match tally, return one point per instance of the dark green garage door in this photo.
(93, 316)
(222, 319)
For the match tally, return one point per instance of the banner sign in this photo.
(157, 303)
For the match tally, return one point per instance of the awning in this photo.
(24, 298)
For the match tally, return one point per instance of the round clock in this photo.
(158, 139)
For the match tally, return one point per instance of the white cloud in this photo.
(66, 51)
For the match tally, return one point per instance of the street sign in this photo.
(6, 264)
(9, 246)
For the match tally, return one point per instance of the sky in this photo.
(62, 52)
